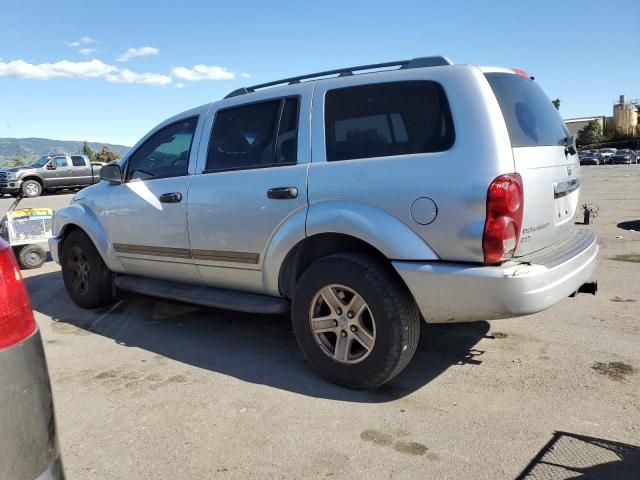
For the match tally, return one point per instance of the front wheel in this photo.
(354, 321)
(31, 188)
(86, 278)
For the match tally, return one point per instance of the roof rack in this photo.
(421, 62)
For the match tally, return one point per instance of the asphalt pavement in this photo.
(150, 389)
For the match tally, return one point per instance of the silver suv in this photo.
(362, 202)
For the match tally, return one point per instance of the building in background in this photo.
(623, 122)
(625, 116)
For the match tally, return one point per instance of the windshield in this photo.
(41, 162)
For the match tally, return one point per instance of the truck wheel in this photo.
(31, 188)
(31, 256)
(87, 279)
(354, 321)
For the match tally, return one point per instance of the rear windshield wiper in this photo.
(570, 144)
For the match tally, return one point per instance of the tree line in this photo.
(105, 154)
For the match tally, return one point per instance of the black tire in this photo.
(397, 319)
(86, 278)
(31, 256)
(31, 188)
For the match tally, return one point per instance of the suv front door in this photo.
(251, 179)
(147, 213)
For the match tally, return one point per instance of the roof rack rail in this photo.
(421, 62)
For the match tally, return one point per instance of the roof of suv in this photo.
(420, 62)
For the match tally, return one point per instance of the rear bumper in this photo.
(448, 292)
(28, 440)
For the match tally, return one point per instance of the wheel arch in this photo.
(316, 247)
(33, 176)
(79, 218)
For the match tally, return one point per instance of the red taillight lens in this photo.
(504, 218)
(520, 72)
(16, 317)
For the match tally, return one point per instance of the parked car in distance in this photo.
(624, 156)
(341, 199)
(49, 173)
(606, 154)
(589, 157)
(28, 440)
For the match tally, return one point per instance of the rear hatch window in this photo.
(550, 175)
(531, 118)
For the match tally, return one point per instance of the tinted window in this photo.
(61, 162)
(531, 118)
(398, 118)
(165, 154)
(78, 161)
(245, 137)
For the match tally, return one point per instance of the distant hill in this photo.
(31, 148)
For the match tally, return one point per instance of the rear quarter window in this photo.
(531, 118)
(387, 119)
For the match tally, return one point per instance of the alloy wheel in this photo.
(342, 324)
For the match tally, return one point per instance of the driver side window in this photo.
(164, 154)
(61, 162)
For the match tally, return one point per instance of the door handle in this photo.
(171, 197)
(282, 193)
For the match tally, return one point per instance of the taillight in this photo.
(522, 73)
(16, 317)
(504, 218)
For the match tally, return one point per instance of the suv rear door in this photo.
(550, 175)
(251, 178)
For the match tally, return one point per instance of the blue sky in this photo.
(185, 53)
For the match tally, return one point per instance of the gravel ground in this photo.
(150, 389)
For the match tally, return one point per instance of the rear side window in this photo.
(78, 161)
(386, 119)
(258, 135)
(531, 118)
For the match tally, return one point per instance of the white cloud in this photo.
(127, 76)
(87, 51)
(86, 40)
(62, 68)
(245, 75)
(138, 52)
(111, 73)
(202, 72)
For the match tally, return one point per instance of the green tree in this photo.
(590, 134)
(556, 103)
(17, 161)
(105, 154)
(88, 151)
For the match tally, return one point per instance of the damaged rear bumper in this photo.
(449, 292)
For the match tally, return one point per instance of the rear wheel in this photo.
(31, 188)
(31, 256)
(354, 321)
(86, 277)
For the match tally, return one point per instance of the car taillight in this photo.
(16, 317)
(504, 218)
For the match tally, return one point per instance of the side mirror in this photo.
(111, 173)
(51, 166)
